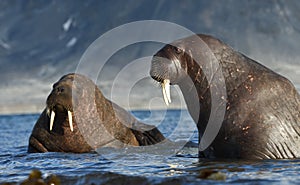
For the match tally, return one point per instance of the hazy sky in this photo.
(42, 40)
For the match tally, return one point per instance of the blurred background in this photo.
(42, 40)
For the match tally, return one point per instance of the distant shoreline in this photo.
(21, 109)
(37, 109)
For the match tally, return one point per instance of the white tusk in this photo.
(52, 119)
(166, 91)
(70, 120)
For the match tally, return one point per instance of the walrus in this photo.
(79, 119)
(261, 108)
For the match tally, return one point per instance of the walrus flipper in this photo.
(144, 134)
(148, 135)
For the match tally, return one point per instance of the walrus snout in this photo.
(164, 72)
(162, 68)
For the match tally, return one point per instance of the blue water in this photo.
(136, 168)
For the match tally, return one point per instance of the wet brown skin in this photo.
(262, 118)
(105, 123)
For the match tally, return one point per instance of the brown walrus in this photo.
(78, 118)
(261, 117)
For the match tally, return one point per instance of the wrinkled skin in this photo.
(262, 115)
(103, 123)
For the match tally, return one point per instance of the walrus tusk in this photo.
(166, 91)
(52, 119)
(70, 120)
(48, 112)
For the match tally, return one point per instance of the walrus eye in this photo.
(60, 89)
(178, 50)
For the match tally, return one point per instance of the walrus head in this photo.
(60, 100)
(172, 65)
(72, 93)
(57, 128)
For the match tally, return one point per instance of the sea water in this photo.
(180, 167)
